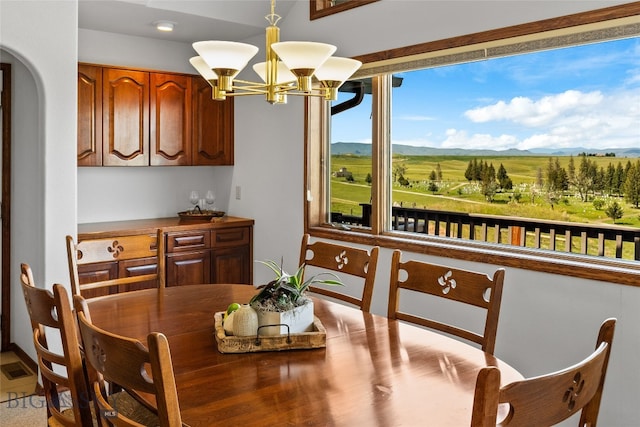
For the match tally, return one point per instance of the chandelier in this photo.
(294, 67)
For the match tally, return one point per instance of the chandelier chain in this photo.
(273, 18)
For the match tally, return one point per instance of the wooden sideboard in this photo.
(220, 251)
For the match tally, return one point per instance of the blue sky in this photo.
(586, 96)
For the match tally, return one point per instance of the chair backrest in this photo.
(115, 250)
(51, 314)
(469, 287)
(549, 399)
(129, 364)
(344, 260)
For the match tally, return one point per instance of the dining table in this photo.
(373, 371)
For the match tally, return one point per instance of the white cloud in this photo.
(461, 139)
(568, 119)
(527, 112)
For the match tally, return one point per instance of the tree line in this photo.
(590, 181)
(586, 180)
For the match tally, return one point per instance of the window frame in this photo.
(321, 8)
(317, 153)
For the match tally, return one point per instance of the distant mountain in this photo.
(361, 149)
(619, 152)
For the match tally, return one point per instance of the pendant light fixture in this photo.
(294, 67)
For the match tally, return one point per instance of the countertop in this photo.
(100, 230)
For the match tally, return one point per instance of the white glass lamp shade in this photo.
(224, 55)
(201, 66)
(337, 69)
(284, 75)
(226, 59)
(209, 75)
(302, 58)
(299, 56)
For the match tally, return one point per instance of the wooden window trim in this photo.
(321, 8)
(316, 155)
(523, 30)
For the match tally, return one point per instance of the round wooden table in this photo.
(373, 371)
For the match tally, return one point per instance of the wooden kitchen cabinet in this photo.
(129, 117)
(188, 257)
(212, 127)
(97, 272)
(231, 255)
(100, 271)
(229, 265)
(89, 115)
(125, 117)
(138, 267)
(170, 120)
(196, 252)
(209, 256)
(189, 268)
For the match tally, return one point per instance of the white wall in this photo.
(117, 193)
(40, 38)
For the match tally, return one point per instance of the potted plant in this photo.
(284, 300)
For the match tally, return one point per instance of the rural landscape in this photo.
(601, 187)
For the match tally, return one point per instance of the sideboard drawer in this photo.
(188, 241)
(226, 237)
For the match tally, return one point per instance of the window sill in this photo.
(610, 270)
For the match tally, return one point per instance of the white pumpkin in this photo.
(228, 323)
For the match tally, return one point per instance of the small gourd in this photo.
(245, 321)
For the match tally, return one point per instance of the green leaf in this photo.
(273, 266)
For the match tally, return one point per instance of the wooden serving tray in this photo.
(305, 340)
(203, 215)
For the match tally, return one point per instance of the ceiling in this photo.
(234, 20)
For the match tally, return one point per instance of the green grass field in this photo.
(457, 194)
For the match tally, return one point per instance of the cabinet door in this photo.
(89, 115)
(212, 127)
(138, 267)
(97, 272)
(189, 268)
(231, 265)
(170, 124)
(125, 118)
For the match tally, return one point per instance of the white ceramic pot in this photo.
(300, 319)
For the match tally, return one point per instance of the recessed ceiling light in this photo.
(166, 26)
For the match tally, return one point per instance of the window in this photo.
(434, 202)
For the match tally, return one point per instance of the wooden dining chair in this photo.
(344, 260)
(112, 254)
(133, 367)
(462, 286)
(549, 399)
(52, 319)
